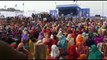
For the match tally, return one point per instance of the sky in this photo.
(96, 7)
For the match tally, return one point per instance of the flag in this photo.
(5, 6)
(16, 5)
(55, 3)
(23, 4)
(75, 0)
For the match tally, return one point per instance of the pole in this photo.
(103, 7)
(75, 1)
(6, 11)
(16, 11)
(23, 8)
(55, 5)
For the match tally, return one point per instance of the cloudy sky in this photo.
(96, 7)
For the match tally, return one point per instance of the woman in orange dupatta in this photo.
(80, 43)
(79, 39)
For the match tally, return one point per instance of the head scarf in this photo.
(85, 36)
(59, 34)
(31, 47)
(90, 35)
(73, 35)
(25, 29)
(70, 39)
(99, 31)
(48, 42)
(79, 40)
(98, 39)
(68, 30)
(94, 53)
(54, 51)
(34, 25)
(40, 36)
(62, 43)
(25, 37)
(99, 24)
(48, 30)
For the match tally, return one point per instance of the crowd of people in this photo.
(74, 38)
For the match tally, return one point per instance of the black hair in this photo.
(89, 42)
(55, 37)
(70, 31)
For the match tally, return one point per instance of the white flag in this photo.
(23, 4)
(5, 6)
(16, 5)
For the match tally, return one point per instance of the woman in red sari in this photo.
(72, 54)
(54, 40)
(52, 50)
(47, 41)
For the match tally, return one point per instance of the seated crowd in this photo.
(64, 39)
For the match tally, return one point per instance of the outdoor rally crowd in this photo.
(63, 39)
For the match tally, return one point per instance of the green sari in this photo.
(94, 53)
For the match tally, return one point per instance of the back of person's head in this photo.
(7, 52)
(89, 42)
(55, 37)
(82, 56)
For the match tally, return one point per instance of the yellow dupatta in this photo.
(31, 49)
